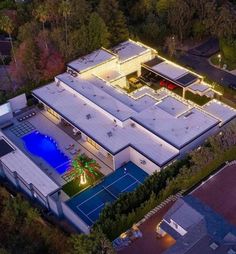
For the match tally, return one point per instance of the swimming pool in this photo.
(89, 203)
(46, 148)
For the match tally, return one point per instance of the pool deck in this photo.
(48, 125)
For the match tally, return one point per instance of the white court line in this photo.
(95, 209)
(135, 179)
(129, 186)
(99, 191)
(85, 214)
(105, 188)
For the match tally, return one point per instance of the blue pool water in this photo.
(46, 148)
(89, 203)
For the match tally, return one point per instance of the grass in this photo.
(74, 187)
(215, 60)
(200, 100)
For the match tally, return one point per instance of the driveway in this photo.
(200, 63)
(149, 243)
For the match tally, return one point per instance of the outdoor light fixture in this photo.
(83, 179)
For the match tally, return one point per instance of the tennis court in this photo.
(90, 202)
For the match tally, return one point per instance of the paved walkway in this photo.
(149, 243)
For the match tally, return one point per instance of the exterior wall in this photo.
(137, 159)
(121, 82)
(176, 227)
(11, 176)
(112, 64)
(55, 204)
(74, 219)
(134, 64)
(25, 187)
(6, 117)
(18, 103)
(197, 142)
(121, 158)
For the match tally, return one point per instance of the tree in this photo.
(179, 18)
(114, 19)
(7, 26)
(97, 32)
(83, 168)
(42, 14)
(65, 10)
(95, 243)
(225, 22)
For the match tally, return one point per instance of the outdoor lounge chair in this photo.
(70, 146)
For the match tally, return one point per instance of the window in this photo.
(93, 143)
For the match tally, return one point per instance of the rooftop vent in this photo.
(143, 162)
(132, 125)
(88, 116)
(214, 246)
(188, 114)
(109, 134)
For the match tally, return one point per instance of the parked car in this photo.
(135, 82)
(167, 84)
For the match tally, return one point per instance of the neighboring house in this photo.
(204, 221)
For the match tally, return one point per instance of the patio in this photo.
(49, 125)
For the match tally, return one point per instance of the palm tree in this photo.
(83, 168)
(41, 13)
(65, 10)
(7, 26)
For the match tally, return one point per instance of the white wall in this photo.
(199, 141)
(176, 227)
(134, 64)
(25, 188)
(112, 64)
(136, 158)
(55, 204)
(18, 102)
(74, 219)
(10, 175)
(121, 82)
(121, 158)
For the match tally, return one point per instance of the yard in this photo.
(220, 61)
(74, 186)
(83, 174)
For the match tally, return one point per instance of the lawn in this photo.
(215, 60)
(73, 187)
(200, 100)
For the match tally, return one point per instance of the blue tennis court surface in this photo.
(90, 202)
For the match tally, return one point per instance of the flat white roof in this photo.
(170, 70)
(199, 86)
(180, 130)
(129, 49)
(97, 96)
(109, 75)
(5, 108)
(75, 109)
(173, 107)
(17, 161)
(117, 94)
(90, 61)
(220, 110)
